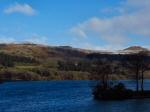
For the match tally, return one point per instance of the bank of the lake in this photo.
(63, 96)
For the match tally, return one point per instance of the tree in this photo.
(138, 63)
(145, 66)
(133, 63)
(103, 69)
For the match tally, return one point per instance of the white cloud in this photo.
(6, 40)
(34, 38)
(37, 39)
(117, 30)
(78, 32)
(90, 46)
(138, 2)
(25, 9)
(110, 10)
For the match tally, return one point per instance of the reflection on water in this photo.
(63, 96)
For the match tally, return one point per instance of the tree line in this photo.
(103, 67)
(7, 60)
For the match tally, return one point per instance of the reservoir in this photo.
(63, 96)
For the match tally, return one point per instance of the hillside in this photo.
(39, 62)
(134, 49)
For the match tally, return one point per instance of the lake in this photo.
(63, 96)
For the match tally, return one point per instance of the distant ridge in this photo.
(133, 49)
(136, 48)
(39, 50)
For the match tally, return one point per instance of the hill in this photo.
(134, 49)
(39, 62)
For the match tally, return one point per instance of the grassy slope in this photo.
(45, 66)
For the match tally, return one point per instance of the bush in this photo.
(117, 92)
(13, 74)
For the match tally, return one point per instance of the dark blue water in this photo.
(62, 96)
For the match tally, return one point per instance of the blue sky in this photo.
(90, 24)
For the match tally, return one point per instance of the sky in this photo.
(88, 24)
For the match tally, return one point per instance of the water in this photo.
(63, 96)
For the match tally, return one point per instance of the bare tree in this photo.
(103, 69)
(145, 66)
(133, 63)
(138, 63)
